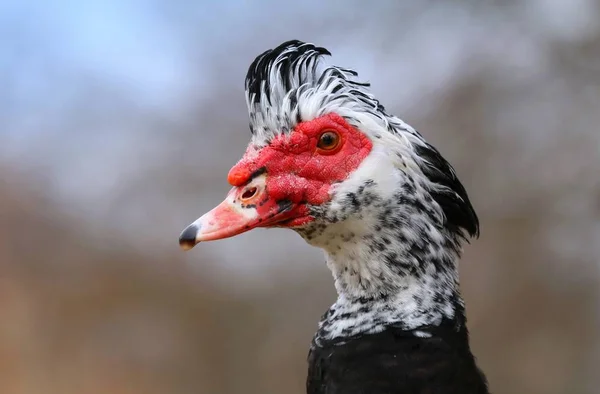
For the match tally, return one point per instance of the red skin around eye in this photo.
(296, 169)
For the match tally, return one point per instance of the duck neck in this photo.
(391, 287)
(393, 265)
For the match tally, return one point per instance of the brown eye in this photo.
(328, 141)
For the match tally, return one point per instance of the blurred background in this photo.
(120, 119)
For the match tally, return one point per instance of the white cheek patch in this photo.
(378, 167)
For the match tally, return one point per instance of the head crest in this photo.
(285, 85)
(278, 71)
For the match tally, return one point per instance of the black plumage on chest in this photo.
(396, 362)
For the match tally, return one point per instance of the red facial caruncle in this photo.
(274, 185)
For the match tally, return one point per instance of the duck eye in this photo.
(328, 141)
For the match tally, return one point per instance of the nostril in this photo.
(249, 193)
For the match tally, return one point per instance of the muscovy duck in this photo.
(327, 160)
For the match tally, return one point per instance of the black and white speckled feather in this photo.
(393, 231)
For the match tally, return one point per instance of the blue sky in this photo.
(44, 42)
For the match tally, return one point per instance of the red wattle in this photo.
(295, 170)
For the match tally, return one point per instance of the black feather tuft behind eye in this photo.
(453, 198)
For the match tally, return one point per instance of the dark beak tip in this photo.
(187, 239)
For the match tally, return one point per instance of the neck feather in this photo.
(393, 261)
(409, 286)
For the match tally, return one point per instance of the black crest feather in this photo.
(286, 56)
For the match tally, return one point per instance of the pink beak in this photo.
(243, 209)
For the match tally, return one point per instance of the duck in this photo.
(326, 160)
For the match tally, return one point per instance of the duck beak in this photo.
(225, 220)
(243, 209)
